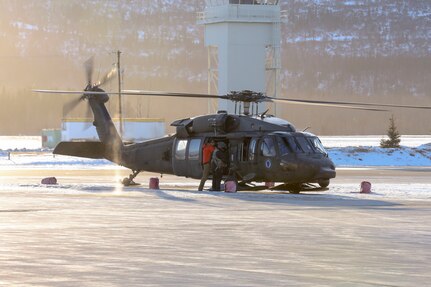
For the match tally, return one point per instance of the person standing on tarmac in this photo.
(219, 160)
(207, 151)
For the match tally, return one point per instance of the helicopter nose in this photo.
(326, 171)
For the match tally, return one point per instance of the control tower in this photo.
(243, 41)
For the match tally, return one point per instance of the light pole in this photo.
(119, 93)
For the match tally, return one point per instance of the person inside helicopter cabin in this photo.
(207, 151)
(220, 159)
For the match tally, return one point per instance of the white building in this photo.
(134, 130)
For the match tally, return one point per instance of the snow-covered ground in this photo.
(89, 230)
(105, 235)
(188, 191)
(372, 140)
(345, 151)
(375, 156)
(20, 142)
(365, 151)
(45, 159)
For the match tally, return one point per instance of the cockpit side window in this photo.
(268, 147)
(252, 149)
(294, 145)
(283, 145)
(317, 145)
(305, 145)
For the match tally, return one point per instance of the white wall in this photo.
(241, 33)
(133, 130)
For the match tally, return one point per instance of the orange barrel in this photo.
(365, 187)
(154, 183)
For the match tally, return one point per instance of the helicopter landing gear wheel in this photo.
(295, 188)
(294, 191)
(323, 183)
(127, 181)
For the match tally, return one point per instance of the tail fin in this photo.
(105, 128)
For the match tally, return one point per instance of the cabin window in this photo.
(252, 150)
(305, 145)
(244, 150)
(315, 142)
(194, 149)
(180, 149)
(268, 147)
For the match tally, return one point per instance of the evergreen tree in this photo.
(394, 137)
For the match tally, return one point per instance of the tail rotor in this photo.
(95, 87)
(89, 67)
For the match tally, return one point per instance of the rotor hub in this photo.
(247, 96)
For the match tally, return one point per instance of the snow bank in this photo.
(372, 140)
(363, 151)
(43, 160)
(20, 142)
(376, 156)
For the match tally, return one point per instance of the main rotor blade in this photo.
(69, 106)
(131, 93)
(127, 92)
(89, 67)
(169, 94)
(107, 77)
(347, 104)
(324, 104)
(73, 92)
(340, 104)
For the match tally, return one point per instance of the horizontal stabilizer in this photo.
(81, 149)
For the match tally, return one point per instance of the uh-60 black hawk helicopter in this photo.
(262, 148)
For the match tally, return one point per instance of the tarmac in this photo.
(90, 231)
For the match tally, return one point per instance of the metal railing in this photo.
(240, 13)
(242, 2)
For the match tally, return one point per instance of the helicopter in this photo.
(262, 148)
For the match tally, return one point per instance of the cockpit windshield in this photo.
(305, 144)
(299, 144)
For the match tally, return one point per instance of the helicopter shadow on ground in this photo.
(318, 200)
(164, 194)
(308, 199)
(113, 190)
(160, 193)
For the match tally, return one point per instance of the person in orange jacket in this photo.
(207, 151)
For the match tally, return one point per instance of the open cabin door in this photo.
(246, 157)
(257, 158)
